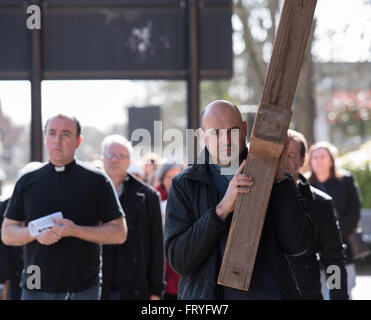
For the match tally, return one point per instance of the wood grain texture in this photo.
(267, 142)
(244, 235)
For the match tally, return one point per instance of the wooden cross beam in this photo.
(267, 142)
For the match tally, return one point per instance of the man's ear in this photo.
(302, 161)
(244, 124)
(79, 140)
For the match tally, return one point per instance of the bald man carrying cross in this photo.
(200, 207)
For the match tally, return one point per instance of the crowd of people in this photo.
(158, 229)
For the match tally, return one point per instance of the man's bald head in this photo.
(219, 109)
(220, 119)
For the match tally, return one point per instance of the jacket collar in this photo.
(304, 187)
(132, 198)
(200, 171)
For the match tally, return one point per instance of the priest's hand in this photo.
(48, 237)
(65, 227)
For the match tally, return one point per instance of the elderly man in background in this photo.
(134, 270)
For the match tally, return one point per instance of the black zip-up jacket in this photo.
(327, 243)
(193, 231)
(11, 262)
(346, 196)
(136, 268)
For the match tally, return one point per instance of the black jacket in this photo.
(11, 262)
(346, 196)
(327, 243)
(4, 263)
(193, 231)
(136, 268)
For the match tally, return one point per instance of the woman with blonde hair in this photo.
(342, 187)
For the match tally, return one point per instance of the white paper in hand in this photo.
(37, 226)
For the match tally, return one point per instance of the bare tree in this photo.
(305, 103)
(263, 15)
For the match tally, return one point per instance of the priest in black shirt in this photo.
(64, 261)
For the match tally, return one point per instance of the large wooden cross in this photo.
(267, 142)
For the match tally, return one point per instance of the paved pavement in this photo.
(362, 290)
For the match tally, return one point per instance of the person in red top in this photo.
(166, 174)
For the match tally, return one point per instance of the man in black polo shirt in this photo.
(66, 259)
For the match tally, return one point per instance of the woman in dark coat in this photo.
(343, 189)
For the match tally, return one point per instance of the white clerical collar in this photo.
(63, 168)
(60, 169)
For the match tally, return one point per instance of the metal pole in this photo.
(193, 80)
(36, 75)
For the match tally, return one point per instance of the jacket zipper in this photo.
(293, 275)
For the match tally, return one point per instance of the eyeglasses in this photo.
(119, 156)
